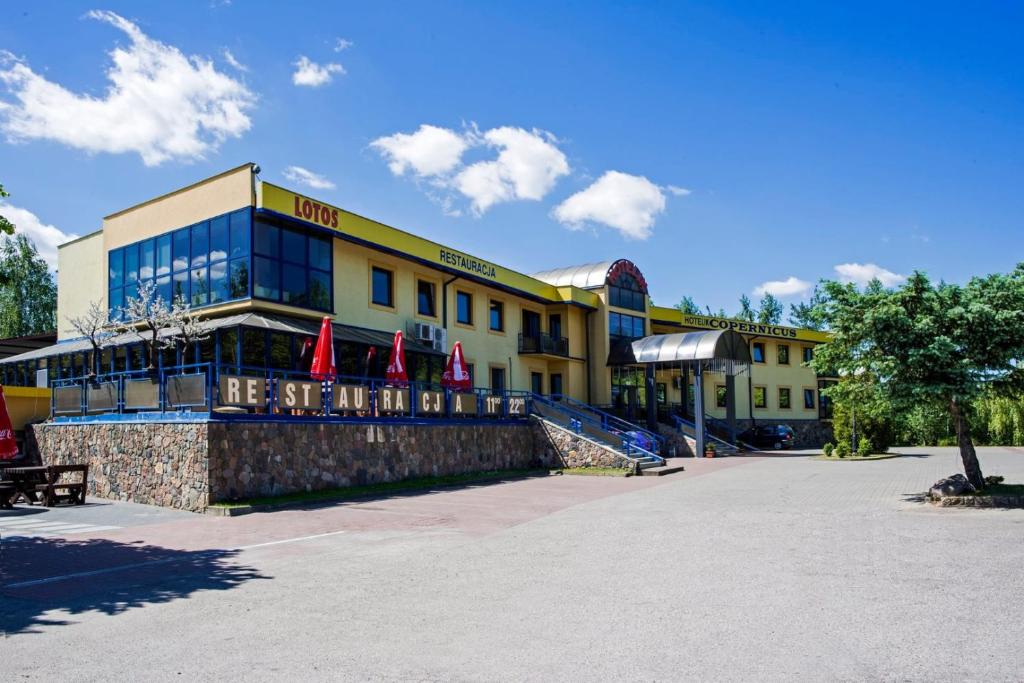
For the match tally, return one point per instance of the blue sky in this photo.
(719, 146)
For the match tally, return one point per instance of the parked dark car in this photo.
(770, 436)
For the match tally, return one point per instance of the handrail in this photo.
(613, 438)
(487, 403)
(607, 419)
(680, 421)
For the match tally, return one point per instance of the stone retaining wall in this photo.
(564, 448)
(143, 462)
(189, 465)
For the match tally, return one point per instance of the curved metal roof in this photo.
(691, 346)
(586, 276)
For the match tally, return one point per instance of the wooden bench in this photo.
(58, 490)
(7, 492)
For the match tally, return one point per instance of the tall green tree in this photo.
(6, 226)
(930, 344)
(688, 306)
(805, 313)
(746, 312)
(28, 293)
(770, 311)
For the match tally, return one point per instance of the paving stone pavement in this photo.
(767, 568)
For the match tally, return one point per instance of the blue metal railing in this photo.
(610, 422)
(623, 439)
(486, 403)
(681, 421)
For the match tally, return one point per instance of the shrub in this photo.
(828, 448)
(993, 480)
(843, 449)
(865, 447)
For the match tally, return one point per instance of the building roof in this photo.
(586, 276)
(274, 323)
(692, 346)
(16, 345)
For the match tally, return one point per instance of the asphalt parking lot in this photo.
(765, 568)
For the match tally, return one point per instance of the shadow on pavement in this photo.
(38, 575)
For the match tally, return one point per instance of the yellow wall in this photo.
(208, 198)
(484, 348)
(27, 404)
(770, 375)
(80, 280)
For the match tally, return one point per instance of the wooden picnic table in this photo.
(47, 484)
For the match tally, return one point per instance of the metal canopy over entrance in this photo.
(719, 351)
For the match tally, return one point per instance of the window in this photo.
(497, 317)
(497, 379)
(472, 374)
(782, 354)
(757, 351)
(809, 399)
(203, 264)
(556, 383)
(464, 308)
(785, 398)
(624, 291)
(623, 326)
(292, 267)
(808, 352)
(721, 396)
(555, 325)
(426, 303)
(382, 283)
(537, 382)
(760, 397)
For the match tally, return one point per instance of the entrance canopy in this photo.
(714, 350)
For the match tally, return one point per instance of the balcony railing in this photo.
(543, 343)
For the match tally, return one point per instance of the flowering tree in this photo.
(94, 324)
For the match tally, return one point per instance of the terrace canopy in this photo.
(719, 351)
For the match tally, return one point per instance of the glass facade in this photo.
(625, 292)
(203, 264)
(225, 259)
(624, 326)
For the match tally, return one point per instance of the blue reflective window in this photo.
(180, 248)
(218, 239)
(238, 283)
(319, 253)
(116, 299)
(131, 264)
(239, 221)
(200, 287)
(267, 278)
(163, 255)
(293, 247)
(219, 290)
(200, 244)
(293, 285)
(147, 260)
(163, 288)
(179, 286)
(319, 290)
(115, 277)
(383, 287)
(267, 241)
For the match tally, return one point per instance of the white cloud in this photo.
(791, 286)
(300, 175)
(627, 203)
(863, 273)
(677, 191)
(46, 237)
(230, 59)
(313, 75)
(430, 151)
(528, 166)
(160, 103)
(342, 44)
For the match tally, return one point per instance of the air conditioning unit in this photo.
(424, 332)
(440, 340)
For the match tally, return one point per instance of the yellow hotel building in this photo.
(264, 264)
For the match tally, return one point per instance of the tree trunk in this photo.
(972, 468)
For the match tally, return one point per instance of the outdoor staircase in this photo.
(723, 447)
(607, 430)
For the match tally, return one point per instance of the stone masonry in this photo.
(190, 465)
(568, 449)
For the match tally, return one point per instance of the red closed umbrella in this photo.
(323, 356)
(456, 375)
(8, 446)
(396, 373)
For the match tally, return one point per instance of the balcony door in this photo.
(555, 325)
(531, 324)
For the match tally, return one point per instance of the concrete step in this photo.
(671, 465)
